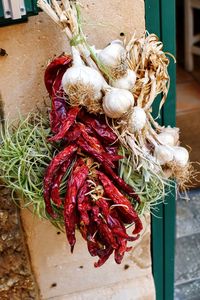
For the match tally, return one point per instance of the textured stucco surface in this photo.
(30, 46)
(65, 276)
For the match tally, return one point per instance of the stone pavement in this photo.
(187, 261)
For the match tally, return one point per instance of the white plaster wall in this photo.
(30, 46)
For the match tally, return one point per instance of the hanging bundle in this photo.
(103, 160)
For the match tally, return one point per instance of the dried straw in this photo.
(146, 57)
(186, 177)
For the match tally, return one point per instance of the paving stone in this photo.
(188, 214)
(188, 291)
(187, 258)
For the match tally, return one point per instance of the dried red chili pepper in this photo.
(125, 206)
(93, 245)
(95, 214)
(73, 134)
(121, 183)
(100, 157)
(104, 254)
(100, 127)
(106, 235)
(83, 204)
(53, 167)
(66, 124)
(93, 141)
(58, 111)
(55, 190)
(96, 246)
(112, 150)
(61, 62)
(113, 221)
(53, 78)
(120, 251)
(96, 145)
(83, 230)
(75, 182)
(106, 161)
(104, 231)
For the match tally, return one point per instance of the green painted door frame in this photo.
(31, 9)
(160, 19)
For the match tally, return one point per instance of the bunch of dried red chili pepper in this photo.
(95, 200)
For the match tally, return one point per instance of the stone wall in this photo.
(16, 279)
(30, 46)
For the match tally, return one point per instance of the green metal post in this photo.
(160, 19)
(169, 116)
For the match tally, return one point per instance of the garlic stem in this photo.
(68, 28)
(57, 8)
(49, 11)
(66, 5)
(152, 92)
(154, 123)
(77, 61)
(68, 33)
(131, 43)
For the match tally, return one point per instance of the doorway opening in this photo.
(188, 77)
(187, 263)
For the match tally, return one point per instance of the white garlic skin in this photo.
(83, 75)
(166, 138)
(174, 131)
(181, 156)
(116, 102)
(163, 154)
(112, 55)
(79, 73)
(126, 82)
(137, 120)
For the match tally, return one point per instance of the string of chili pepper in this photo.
(100, 223)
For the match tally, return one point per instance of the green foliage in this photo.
(151, 187)
(24, 156)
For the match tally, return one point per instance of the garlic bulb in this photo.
(166, 138)
(163, 154)
(137, 120)
(126, 82)
(181, 156)
(116, 102)
(83, 84)
(113, 54)
(173, 131)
